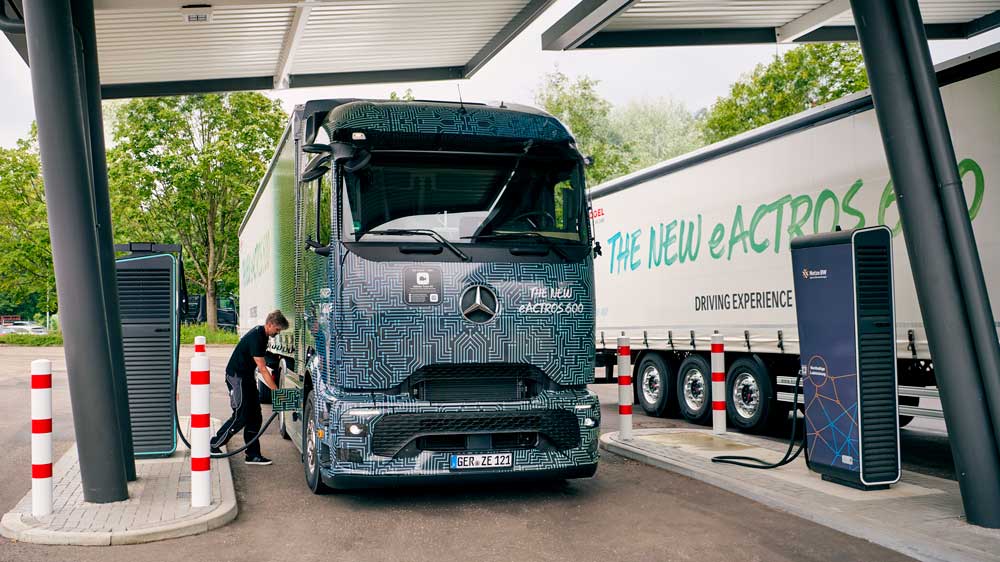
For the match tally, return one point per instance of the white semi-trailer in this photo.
(701, 243)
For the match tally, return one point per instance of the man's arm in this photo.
(266, 375)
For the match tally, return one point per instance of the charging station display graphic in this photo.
(824, 292)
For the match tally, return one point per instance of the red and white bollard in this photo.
(624, 388)
(41, 437)
(201, 433)
(718, 385)
(199, 345)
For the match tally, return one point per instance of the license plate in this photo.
(488, 460)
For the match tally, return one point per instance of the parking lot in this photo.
(628, 511)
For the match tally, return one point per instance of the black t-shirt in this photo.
(252, 344)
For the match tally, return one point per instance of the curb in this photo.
(23, 527)
(913, 545)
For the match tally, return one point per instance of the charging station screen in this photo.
(824, 294)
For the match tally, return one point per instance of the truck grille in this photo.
(395, 431)
(474, 382)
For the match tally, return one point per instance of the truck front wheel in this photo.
(311, 447)
(655, 384)
(694, 389)
(750, 398)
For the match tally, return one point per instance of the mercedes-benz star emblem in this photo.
(478, 304)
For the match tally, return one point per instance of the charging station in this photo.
(150, 301)
(846, 320)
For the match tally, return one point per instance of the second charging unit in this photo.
(846, 320)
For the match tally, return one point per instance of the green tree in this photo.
(184, 170)
(802, 78)
(578, 105)
(656, 129)
(26, 273)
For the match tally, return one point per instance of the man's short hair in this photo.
(278, 319)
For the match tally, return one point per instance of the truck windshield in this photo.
(467, 198)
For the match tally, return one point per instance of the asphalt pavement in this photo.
(628, 511)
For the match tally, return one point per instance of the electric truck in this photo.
(701, 243)
(435, 262)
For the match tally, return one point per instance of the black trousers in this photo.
(245, 402)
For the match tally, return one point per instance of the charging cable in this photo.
(752, 462)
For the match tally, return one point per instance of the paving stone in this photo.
(159, 506)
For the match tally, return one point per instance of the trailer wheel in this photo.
(694, 389)
(311, 447)
(655, 384)
(750, 398)
(907, 401)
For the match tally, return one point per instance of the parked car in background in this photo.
(26, 327)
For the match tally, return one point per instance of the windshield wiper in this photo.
(513, 235)
(421, 232)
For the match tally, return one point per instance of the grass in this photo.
(30, 340)
(188, 332)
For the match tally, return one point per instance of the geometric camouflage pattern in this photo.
(382, 339)
(392, 118)
(368, 336)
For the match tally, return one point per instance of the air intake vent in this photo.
(876, 359)
(147, 303)
(475, 382)
(395, 431)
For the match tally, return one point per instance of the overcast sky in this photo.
(695, 76)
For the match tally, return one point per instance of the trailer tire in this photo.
(655, 385)
(311, 448)
(907, 401)
(694, 389)
(750, 398)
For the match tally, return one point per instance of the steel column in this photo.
(937, 279)
(83, 18)
(61, 134)
(954, 206)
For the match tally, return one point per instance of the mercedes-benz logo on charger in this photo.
(479, 304)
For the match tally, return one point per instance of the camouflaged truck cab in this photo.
(438, 261)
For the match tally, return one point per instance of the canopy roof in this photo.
(165, 47)
(659, 23)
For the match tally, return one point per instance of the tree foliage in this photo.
(26, 273)
(657, 129)
(184, 170)
(578, 105)
(802, 78)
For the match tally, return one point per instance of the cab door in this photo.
(313, 275)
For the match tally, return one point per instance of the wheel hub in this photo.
(746, 395)
(651, 384)
(694, 389)
(311, 446)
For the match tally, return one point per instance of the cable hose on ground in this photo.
(263, 428)
(789, 456)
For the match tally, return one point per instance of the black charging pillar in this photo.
(62, 137)
(945, 270)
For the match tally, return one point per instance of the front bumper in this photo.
(369, 458)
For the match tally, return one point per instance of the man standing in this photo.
(243, 398)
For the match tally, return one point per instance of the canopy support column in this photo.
(83, 18)
(893, 68)
(62, 137)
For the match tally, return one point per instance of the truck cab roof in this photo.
(344, 119)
